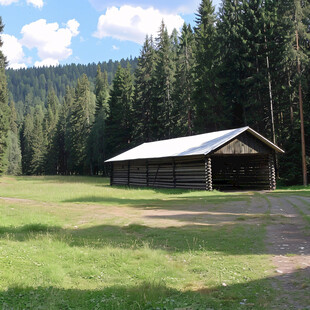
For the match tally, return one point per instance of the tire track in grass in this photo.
(289, 246)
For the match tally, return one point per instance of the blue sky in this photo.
(52, 32)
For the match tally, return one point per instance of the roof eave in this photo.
(266, 141)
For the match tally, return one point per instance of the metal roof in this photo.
(188, 146)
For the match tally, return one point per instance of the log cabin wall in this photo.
(166, 173)
(243, 163)
(119, 173)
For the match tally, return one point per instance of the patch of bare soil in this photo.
(15, 200)
(205, 215)
(289, 243)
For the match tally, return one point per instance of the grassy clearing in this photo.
(77, 243)
(296, 190)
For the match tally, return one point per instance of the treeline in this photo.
(247, 65)
(30, 87)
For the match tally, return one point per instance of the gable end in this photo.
(245, 143)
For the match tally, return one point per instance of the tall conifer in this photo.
(80, 122)
(4, 108)
(209, 106)
(184, 82)
(145, 94)
(119, 123)
(163, 121)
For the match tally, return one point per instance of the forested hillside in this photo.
(247, 65)
(29, 87)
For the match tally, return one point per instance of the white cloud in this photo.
(7, 2)
(73, 26)
(47, 63)
(36, 3)
(115, 48)
(133, 23)
(51, 41)
(13, 50)
(171, 6)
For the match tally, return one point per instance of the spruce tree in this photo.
(80, 122)
(4, 108)
(62, 136)
(208, 104)
(50, 128)
(232, 72)
(145, 94)
(26, 143)
(38, 144)
(184, 82)
(101, 90)
(97, 137)
(13, 150)
(119, 122)
(162, 118)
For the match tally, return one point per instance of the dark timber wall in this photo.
(243, 163)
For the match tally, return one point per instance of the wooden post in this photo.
(111, 176)
(128, 173)
(147, 173)
(208, 173)
(272, 175)
(173, 173)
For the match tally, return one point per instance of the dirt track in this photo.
(288, 241)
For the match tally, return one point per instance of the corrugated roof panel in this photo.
(187, 146)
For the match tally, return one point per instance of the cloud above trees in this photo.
(13, 50)
(171, 6)
(51, 41)
(134, 23)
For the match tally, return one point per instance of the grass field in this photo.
(77, 243)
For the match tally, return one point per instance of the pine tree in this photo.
(162, 118)
(26, 146)
(97, 137)
(80, 122)
(184, 82)
(101, 90)
(50, 128)
(13, 150)
(119, 122)
(145, 94)
(37, 144)
(62, 136)
(209, 107)
(4, 108)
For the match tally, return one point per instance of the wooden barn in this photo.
(230, 159)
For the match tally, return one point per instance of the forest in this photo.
(247, 64)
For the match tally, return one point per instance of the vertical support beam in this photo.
(128, 173)
(147, 173)
(208, 173)
(111, 175)
(272, 174)
(173, 173)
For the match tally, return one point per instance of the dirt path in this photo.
(289, 242)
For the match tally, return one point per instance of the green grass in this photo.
(295, 189)
(77, 243)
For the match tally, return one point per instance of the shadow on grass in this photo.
(236, 239)
(65, 179)
(158, 203)
(257, 294)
